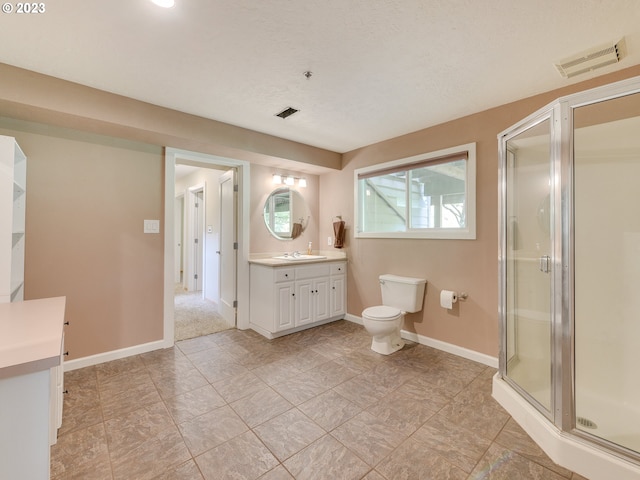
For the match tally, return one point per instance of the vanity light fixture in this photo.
(289, 180)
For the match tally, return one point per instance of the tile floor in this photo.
(318, 404)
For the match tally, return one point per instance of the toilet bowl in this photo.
(383, 322)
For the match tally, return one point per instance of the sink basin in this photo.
(300, 257)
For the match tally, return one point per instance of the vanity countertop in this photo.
(268, 259)
(30, 335)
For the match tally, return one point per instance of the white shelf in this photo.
(13, 198)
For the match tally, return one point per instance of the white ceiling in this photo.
(381, 68)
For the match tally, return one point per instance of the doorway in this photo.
(214, 282)
(198, 301)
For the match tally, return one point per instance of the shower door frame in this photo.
(560, 112)
(547, 113)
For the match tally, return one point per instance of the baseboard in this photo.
(440, 345)
(414, 337)
(114, 355)
(353, 318)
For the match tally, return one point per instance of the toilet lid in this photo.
(381, 312)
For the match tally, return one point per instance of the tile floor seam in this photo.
(104, 425)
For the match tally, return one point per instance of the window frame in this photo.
(466, 233)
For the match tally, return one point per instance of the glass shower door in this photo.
(527, 262)
(607, 269)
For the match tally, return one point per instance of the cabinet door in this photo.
(304, 302)
(321, 299)
(338, 295)
(284, 308)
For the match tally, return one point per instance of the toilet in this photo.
(383, 322)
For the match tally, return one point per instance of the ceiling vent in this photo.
(591, 59)
(287, 112)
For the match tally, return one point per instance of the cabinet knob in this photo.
(65, 391)
(286, 275)
(66, 353)
(66, 323)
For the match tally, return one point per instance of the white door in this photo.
(178, 226)
(228, 246)
(285, 307)
(198, 239)
(193, 239)
(304, 302)
(320, 299)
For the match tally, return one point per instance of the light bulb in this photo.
(277, 178)
(302, 182)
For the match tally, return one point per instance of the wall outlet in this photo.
(329, 241)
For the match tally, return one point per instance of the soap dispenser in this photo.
(309, 249)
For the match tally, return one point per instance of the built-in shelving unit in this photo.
(13, 193)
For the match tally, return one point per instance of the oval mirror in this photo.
(285, 214)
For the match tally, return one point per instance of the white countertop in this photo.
(30, 335)
(268, 259)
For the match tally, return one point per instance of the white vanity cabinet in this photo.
(285, 298)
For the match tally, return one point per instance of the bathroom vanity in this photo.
(287, 296)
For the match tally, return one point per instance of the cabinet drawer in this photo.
(312, 271)
(284, 275)
(338, 268)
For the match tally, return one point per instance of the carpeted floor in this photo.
(195, 316)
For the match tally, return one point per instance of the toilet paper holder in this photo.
(463, 296)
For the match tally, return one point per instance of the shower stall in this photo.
(569, 258)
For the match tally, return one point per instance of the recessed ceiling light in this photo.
(164, 3)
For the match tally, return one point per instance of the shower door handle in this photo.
(545, 264)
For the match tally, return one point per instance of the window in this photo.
(426, 196)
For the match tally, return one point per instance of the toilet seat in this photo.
(382, 313)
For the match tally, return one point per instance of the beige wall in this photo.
(462, 265)
(86, 202)
(261, 186)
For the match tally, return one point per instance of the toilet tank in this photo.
(403, 293)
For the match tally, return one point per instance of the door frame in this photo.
(242, 268)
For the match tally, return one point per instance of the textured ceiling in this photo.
(381, 68)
